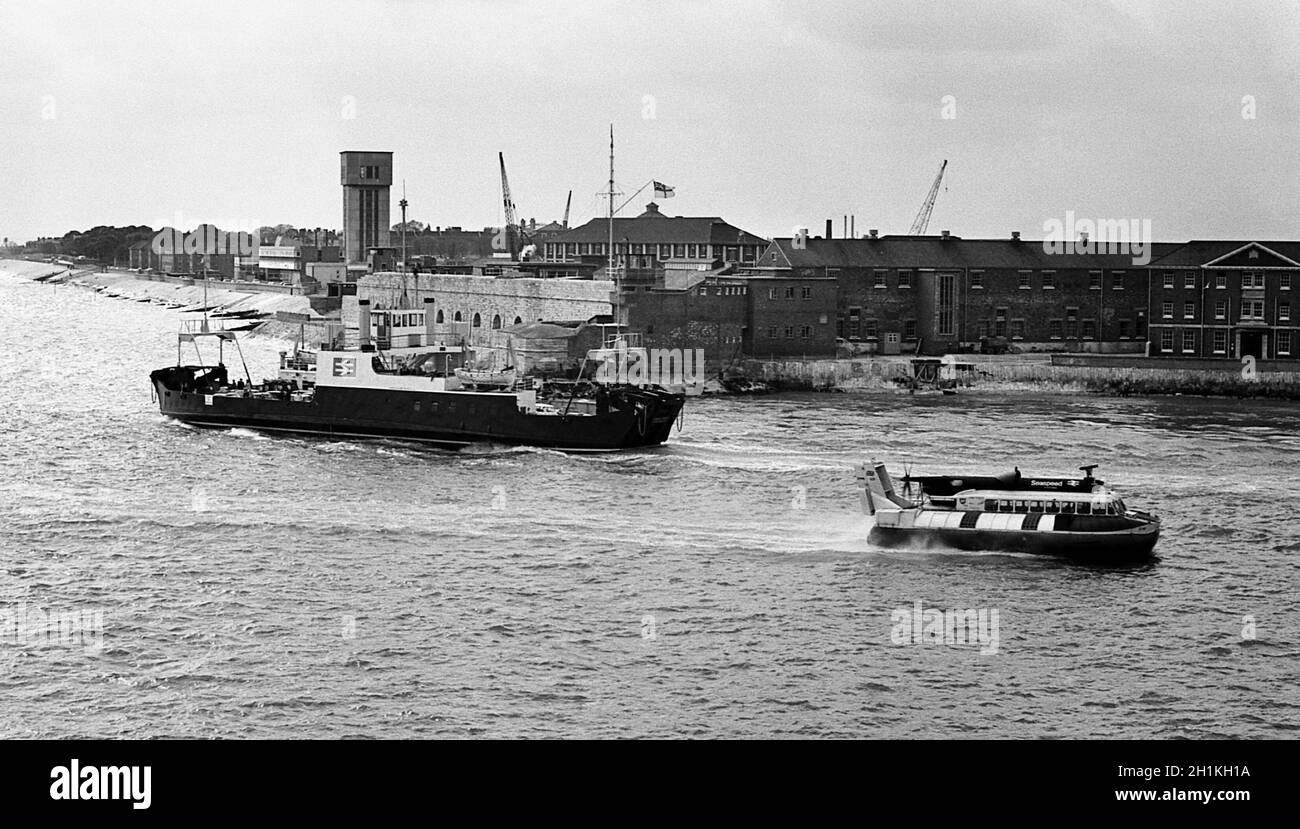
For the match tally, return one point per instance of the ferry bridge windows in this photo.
(1220, 341)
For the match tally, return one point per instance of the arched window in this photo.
(458, 316)
(477, 322)
(496, 320)
(518, 320)
(439, 319)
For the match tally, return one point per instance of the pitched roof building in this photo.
(653, 237)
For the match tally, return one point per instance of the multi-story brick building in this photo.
(1221, 299)
(935, 294)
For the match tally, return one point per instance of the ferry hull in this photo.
(450, 420)
(1110, 547)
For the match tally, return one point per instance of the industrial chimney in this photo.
(830, 227)
(363, 324)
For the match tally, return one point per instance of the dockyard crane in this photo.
(922, 220)
(512, 224)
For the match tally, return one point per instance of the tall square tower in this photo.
(366, 178)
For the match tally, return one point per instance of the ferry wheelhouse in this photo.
(1079, 518)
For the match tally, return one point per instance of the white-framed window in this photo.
(1168, 279)
(1220, 341)
(1049, 280)
(1221, 309)
(1017, 329)
(977, 279)
(904, 278)
(1189, 310)
(1024, 280)
(880, 278)
(1220, 280)
(1252, 279)
(1094, 280)
(1167, 310)
(1189, 341)
(1189, 279)
(1284, 342)
(1166, 339)
(1117, 280)
(1252, 309)
(1284, 281)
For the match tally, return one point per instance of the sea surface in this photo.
(222, 583)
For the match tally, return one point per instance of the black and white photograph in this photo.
(482, 370)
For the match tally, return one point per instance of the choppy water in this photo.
(719, 586)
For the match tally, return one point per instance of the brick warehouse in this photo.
(935, 294)
(732, 315)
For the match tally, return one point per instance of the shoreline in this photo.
(1014, 374)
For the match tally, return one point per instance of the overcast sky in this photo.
(769, 114)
